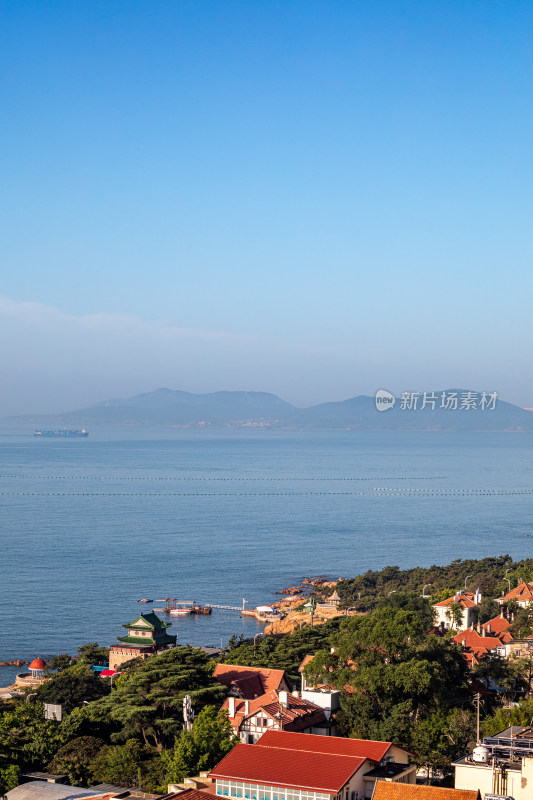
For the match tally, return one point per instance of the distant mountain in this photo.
(166, 407)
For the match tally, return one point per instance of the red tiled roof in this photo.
(464, 600)
(298, 715)
(475, 641)
(497, 625)
(329, 745)
(305, 662)
(299, 769)
(38, 663)
(190, 794)
(250, 682)
(524, 591)
(385, 790)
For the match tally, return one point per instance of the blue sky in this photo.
(317, 199)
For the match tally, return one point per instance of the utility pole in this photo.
(478, 698)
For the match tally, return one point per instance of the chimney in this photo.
(463, 642)
(502, 613)
(488, 628)
(284, 699)
(231, 707)
(246, 706)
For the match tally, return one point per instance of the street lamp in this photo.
(352, 608)
(424, 589)
(467, 577)
(255, 637)
(506, 578)
(393, 591)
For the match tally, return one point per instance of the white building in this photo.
(500, 765)
(465, 602)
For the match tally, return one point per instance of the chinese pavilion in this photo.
(146, 636)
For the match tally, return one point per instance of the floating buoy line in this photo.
(374, 492)
(194, 478)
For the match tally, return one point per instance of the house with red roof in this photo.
(478, 645)
(385, 790)
(464, 604)
(276, 711)
(292, 766)
(522, 594)
(248, 683)
(498, 626)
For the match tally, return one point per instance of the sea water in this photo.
(90, 526)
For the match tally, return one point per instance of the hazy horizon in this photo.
(302, 198)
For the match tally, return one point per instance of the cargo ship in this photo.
(62, 434)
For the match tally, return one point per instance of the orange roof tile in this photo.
(307, 660)
(464, 600)
(496, 625)
(251, 682)
(524, 591)
(385, 790)
(475, 641)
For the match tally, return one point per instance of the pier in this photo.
(172, 603)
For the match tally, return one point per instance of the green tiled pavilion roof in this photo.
(148, 621)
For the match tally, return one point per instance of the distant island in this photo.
(448, 410)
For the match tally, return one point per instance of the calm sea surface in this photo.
(90, 526)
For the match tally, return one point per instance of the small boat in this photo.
(145, 600)
(201, 609)
(180, 611)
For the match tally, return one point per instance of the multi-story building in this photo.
(296, 766)
(521, 594)
(146, 636)
(458, 612)
(278, 711)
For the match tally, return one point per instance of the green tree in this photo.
(487, 609)
(93, 653)
(510, 675)
(201, 748)
(522, 625)
(147, 703)
(410, 601)
(73, 686)
(59, 663)
(503, 718)
(394, 679)
(26, 738)
(74, 757)
(9, 778)
(119, 764)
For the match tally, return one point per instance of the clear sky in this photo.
(316, 199)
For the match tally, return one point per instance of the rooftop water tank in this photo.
(481, 754)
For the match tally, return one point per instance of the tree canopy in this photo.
(147, 701)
